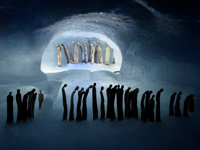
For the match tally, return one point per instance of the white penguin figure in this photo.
(86, 55)
(76, 55)
(95, 53)
(59, 55)
(70, 55)
(107, 58)
(82, 52)
(90, 50)
(92, 54)
(100, 53)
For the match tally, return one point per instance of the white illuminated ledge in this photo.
(49, 57)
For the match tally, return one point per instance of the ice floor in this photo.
(48, 131)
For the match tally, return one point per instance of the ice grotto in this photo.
(155, 45)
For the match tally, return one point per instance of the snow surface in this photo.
(151, 60)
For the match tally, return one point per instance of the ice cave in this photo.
(154, 45)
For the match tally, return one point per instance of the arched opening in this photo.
(49, 58)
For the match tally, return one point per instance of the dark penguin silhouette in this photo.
(80, 93)
(147, 103)
(108, 92)
(112, 100)
(33, 104)
(158, 118)
(127, 107)
(102, 104)
(94, 102)
(71, 115)
(130, 101)
(120, 92)
(19, 106)
(64, 102)
(171, 104)
(143, 117)
(186, 105)
(30, 98)
(10, 108)
(191, 103)
(177, 105)
(134, 103)
(40, 99)
(151, 109)
(24, 105)
(84, 106)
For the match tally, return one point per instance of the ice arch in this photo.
(49, 58)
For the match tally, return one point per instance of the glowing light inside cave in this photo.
(49, 58)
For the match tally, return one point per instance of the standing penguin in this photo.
(177, 106)
(64, 102)
(102, 104)
(71, 115)
(147, 102)
(134, 103)
(92, 54)
(70, 55)
(10, 108)
(19, 106)
(94, 102)
(107, 57)
(80, 93)
(143, 114)
(65, 52)
(191, 103)
(90, 50)
(186, 105)
(151, 109)
(95, 53)
(112, 101)
(33, 104)
(40, 99)
(59, 55)
(76, 54)
(108, 92)
(86, 53)
(126, 102)
(120, 92)
(158, 119)
(84, 106)
(82, 52)
(100, 52)
(171, 104)
(24, 105)
(30, 103)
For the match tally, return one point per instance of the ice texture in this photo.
(154, 51)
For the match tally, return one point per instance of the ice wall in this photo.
(152, 45)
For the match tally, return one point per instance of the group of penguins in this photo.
(128, 98)
(94, 49)
(25, 106)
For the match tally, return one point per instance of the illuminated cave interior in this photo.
(49, 58)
